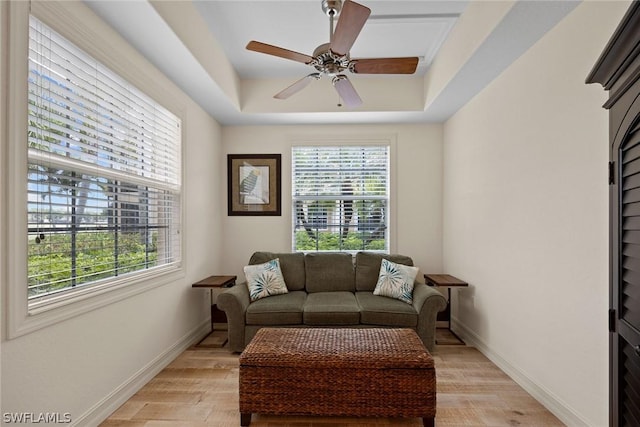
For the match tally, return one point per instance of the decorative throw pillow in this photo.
(396, 281)
(265, 279)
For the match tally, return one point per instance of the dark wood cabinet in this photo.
(618, 70)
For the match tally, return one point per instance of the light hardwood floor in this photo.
(200, 389)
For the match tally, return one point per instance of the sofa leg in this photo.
(428, 422)
(245, 419)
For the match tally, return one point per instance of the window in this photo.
(103, 176)
(340, 198)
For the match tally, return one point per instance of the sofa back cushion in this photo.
(328, 272)
(368, 268)
(291, 265)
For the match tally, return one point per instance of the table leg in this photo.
(449, 304)
(213, 315)
(206, 336)
(245, 419)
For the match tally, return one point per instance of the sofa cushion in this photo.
(396, 281)
(368, 268)
(285, 309)
(328, 272)
(265, 280)
(383, 311)
(291, 264)
(331, 308)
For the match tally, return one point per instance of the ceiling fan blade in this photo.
(297, 86)
(350, 22)
(346, 91)
(278, 51)
(385, 65)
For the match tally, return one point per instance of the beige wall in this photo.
(418, 183)
(87, 364)
(525, 218)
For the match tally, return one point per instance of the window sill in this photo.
(22, 322)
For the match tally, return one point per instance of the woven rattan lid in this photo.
(370, 348)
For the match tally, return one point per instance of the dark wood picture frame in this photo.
(253, 185)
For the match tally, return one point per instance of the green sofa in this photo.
(329, 290)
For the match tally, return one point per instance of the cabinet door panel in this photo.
(625, 283)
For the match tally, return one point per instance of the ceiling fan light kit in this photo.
(332, 59)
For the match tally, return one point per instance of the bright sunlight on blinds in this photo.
(104, 173)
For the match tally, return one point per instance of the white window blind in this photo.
(340, 198)
(104, 173)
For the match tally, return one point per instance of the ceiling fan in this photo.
(332, 59)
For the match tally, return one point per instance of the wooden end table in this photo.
(210, 283)
(448, 281)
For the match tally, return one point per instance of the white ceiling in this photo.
(235, 85)
(394, 29)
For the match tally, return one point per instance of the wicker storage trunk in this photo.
(342, 372)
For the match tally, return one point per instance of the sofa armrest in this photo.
(234, 302)
(428, 302)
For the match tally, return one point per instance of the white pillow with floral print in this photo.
(265, 279)
(396, 281)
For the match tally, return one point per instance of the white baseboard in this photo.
(105, 407)
(556, 406)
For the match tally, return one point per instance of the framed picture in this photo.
(253, 184)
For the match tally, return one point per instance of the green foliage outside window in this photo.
(50, 261)
(328, 241)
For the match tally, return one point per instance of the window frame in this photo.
(81, 27)
(389, 140)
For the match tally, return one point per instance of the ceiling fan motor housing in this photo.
(327, 62)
